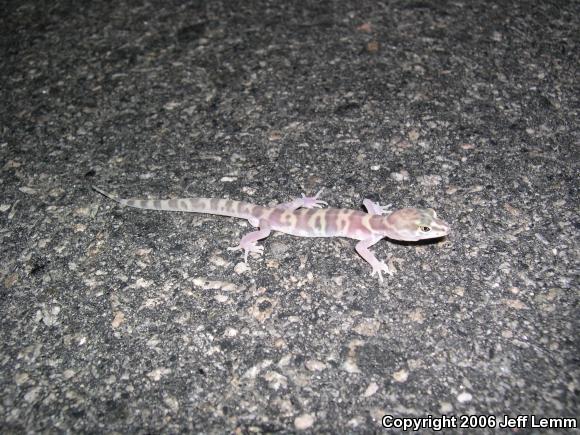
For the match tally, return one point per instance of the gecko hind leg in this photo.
(248, 243)
(304, 202)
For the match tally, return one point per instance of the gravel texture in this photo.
(119, 320)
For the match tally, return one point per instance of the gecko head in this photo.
(412, 224)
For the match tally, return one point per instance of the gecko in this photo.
(306, 217)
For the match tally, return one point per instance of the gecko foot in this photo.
(379, 268)
(249, 247)
(313, 201)
(385, 209)
(375, 208)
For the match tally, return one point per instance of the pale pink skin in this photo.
(304, 217)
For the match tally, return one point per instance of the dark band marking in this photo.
(276, 214)
(318, 223)
(309, 212)
(245, 208)
(250, 210)
(377, 225)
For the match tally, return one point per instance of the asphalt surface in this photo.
(116, 320)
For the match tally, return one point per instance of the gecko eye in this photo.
(425, 229)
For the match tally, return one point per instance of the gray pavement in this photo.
(116, 320)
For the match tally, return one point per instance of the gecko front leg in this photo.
(379, 267)
(248, 243)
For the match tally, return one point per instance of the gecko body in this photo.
(305, 217)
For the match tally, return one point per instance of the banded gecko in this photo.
(305, 217)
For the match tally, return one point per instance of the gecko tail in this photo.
(108, 195)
